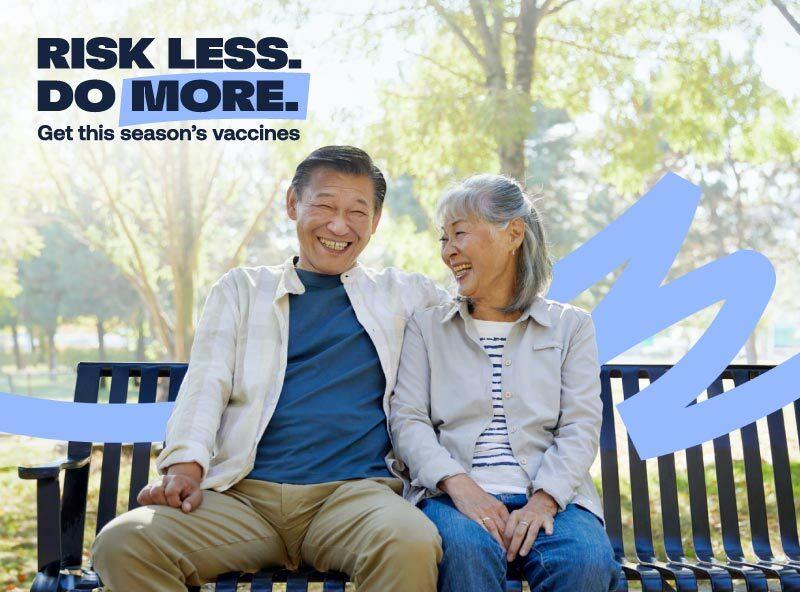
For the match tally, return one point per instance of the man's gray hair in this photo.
(498, 200)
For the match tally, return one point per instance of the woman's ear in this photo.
(516, 233)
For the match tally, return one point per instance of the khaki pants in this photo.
(363, 528)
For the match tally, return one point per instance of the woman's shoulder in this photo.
(561, 320)
(557, 311)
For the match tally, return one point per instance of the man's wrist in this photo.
(189, 469)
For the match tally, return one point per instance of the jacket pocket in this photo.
(547, 356)
(547, 345)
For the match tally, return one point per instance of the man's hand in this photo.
(523, 525)
(473, 501)
(179, 488)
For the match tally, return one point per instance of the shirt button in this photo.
(507, 362)
(507, 394)
(514, 430)
(523, 461)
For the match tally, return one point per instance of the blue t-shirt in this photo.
(329, 423)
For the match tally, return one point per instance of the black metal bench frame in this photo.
(61, 518)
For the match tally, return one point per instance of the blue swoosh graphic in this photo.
(644, 241)
(83, 422)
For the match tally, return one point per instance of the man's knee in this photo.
(124, 538)
(409, 538)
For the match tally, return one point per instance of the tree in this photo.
(9, 317)
(98, 290)
(45, 285)
(469, 102)
(741, 145)
(171, 217)
(784, 10)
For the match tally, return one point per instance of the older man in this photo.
(278, 450)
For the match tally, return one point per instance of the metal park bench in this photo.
(656, 563)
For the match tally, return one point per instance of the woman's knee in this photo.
(584, 564)
(471, 550)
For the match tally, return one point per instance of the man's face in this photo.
(335, 218)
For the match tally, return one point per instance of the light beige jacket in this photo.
(238, 360)
(442, 401)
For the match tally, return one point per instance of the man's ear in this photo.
(375, 219)
(291, 203)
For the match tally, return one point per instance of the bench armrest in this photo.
(51, 469)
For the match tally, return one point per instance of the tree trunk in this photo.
(741, 223)
(101, 339)
(51, 350)
(17, 353)
(37, 344)
(519, 104)
(512, 158)
(183, 258)
(140, 338)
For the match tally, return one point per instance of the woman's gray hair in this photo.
(498, 200)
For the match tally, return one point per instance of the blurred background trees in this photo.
(587, 103)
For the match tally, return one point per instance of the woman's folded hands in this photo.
(515, 532)
(473, 501)
(523, 525)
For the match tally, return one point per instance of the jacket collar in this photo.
(538, 311)
(289, 282)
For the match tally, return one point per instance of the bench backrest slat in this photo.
(726, 487)
(668, 490)
(754, 478)
(609, 467)
(640, 490)
(140, 456)
(784, 496)
(109, 473)
(698, 503)
(176, 374)
(76, 483)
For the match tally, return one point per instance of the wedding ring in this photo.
(525, 523)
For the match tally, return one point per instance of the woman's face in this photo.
(481, 257)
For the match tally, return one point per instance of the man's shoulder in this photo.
(393, 277)
(250, 277)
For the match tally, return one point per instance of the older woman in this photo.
(497, 407)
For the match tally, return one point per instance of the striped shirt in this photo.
(494, 467)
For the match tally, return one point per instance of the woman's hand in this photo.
(523, 525)
(472, 501)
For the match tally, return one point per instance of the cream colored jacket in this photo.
(238, 360)
(442, 401)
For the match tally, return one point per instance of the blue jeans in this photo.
(577, 556)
